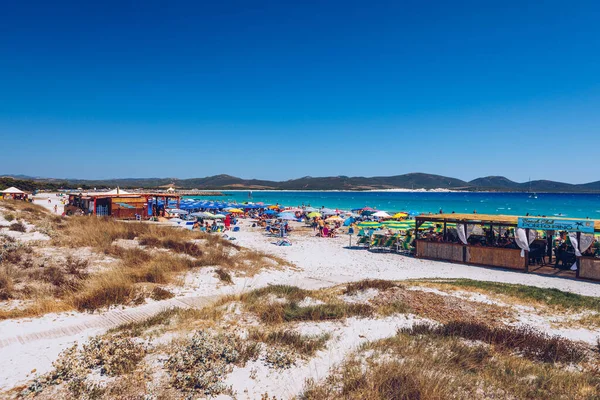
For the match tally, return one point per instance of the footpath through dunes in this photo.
(33, 344)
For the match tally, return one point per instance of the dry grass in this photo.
(440, 367)
(286, 308)
(224, 276)
(546, 296)
(379, 284)
(525, 341)
(17, 227)
(166, 254)
(305, 345)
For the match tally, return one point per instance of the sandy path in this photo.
(32, 345)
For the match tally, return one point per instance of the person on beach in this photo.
(55, 209)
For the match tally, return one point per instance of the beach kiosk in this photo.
(454, 244)
(14, 193)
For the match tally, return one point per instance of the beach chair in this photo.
(391, 243)
(376, 242)
(363, 241)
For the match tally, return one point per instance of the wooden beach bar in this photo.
(119, 204)
(511, 242)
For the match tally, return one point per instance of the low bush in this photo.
(6, 285)
(104, 290)
(159, 293)
(379, 284)
(17, 227)
(205, 359)
(525, 340)
(224, 276)
(306, 345)
(9, 217)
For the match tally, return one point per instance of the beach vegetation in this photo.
(199, 364)
(548, 296)
(17, 227)
(305, 345)
(224, 276)
(424, 366)
(281, 303)
(379, 284)
(524, 340)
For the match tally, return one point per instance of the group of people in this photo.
(324, 228)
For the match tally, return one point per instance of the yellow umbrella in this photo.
(273, 207)
(400, 215)
(334, 218)
(236, 211)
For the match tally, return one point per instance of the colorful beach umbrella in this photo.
(314, 214)
(235, 211)
(334, 218)
(369, 224)
(400, 215)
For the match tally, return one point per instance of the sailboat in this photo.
(250, 194)
(532, 195)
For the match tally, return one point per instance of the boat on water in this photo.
(532, 195)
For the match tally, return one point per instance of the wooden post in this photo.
(549, 244)
(526, 251)
(465, 245)
(445, 232)
(578, 257)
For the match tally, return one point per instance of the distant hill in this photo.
(224, 182)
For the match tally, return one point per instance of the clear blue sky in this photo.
(279, 90)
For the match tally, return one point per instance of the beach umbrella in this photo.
(400, 215)
(381, 214)
(369, 224)
(334, 218)
(201, 214)
(310, 209)
(287, 217)
(270, 212)
(292, 210)
(235, 211)
(314, 214)
(176, 211)
(219, 216)
(273, 207)
(349, 221)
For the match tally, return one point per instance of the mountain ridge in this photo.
(414, 180)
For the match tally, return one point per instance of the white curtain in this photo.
(586, 240)
(460, 228)
(523, 241)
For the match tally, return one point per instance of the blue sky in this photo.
(279, 90)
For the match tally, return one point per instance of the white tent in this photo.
(12, 190)
(117, 191)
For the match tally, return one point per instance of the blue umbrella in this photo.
(349, 221)
(287, 216)
(270, 212)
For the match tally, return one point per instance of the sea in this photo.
(569, 205)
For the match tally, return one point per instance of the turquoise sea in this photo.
(549, 204)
